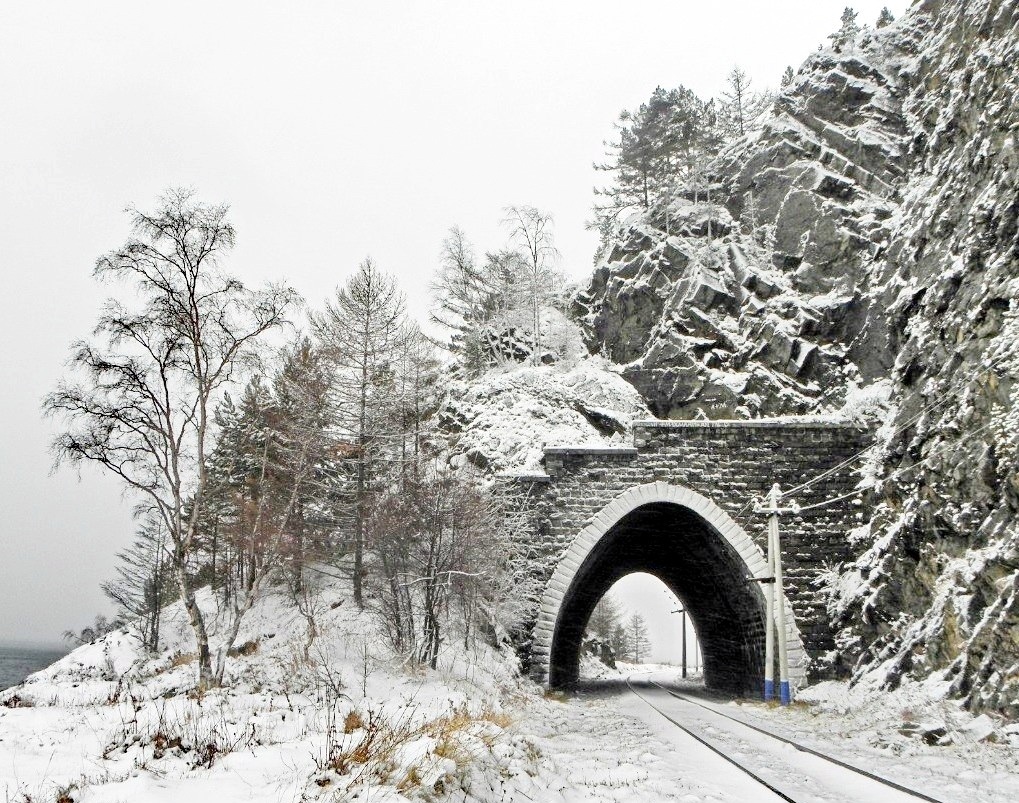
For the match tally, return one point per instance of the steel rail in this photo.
(711, 747)
(803, 748)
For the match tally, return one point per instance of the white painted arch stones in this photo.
(676, 504)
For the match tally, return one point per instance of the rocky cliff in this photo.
(868, 231)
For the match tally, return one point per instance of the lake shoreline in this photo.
(19, 660)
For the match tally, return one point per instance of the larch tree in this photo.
(358, 332)
(742, 107)
(415, 399)
(142, 587)
(140, 404)
(639, 638)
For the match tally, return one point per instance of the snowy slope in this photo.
(300, 718)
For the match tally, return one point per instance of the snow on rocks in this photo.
(503, 420)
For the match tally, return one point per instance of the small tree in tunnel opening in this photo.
(638, 639)
(605, 618)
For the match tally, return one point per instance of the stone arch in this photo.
(691, 523)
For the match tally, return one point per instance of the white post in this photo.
(769, 614)
(779, 596)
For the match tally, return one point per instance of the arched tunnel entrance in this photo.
(698, 552)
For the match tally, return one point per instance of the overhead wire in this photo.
(897, 473)
(897, 431)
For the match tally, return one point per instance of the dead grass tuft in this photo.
(182, 659)
(353, 721)
(500, 718)
(247, 648)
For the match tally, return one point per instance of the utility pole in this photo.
(683, 641)
(775, 605)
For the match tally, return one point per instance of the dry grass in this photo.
(353, 721)
(247, 648)
(500, 718)
(373, 756)
(182, 659)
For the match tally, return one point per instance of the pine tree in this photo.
(460, 294)
(787, 77)
(885, 18)
(620, 643)
(846, 35)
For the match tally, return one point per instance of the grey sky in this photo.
(335, 130)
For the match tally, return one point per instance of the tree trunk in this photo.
(205, 677)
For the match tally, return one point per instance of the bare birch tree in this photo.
(531, 231)
(147, 382)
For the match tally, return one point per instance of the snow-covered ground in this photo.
(341, 718)
(914, 735)
(298, 720)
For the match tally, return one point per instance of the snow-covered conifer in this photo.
(845, 36)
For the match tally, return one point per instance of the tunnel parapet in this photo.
(729, 463)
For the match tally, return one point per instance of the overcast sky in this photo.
(335, 130)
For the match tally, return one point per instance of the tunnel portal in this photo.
(677, 504)
(698, 565)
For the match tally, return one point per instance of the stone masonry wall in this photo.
(731, 463)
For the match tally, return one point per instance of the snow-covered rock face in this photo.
(941, 586)
(869, 231)
(757, 308)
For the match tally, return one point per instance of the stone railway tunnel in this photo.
(678, 505)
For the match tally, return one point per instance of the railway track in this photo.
(782, 768)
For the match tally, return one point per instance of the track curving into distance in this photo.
(807, 777)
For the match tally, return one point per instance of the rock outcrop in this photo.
(868, 231)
